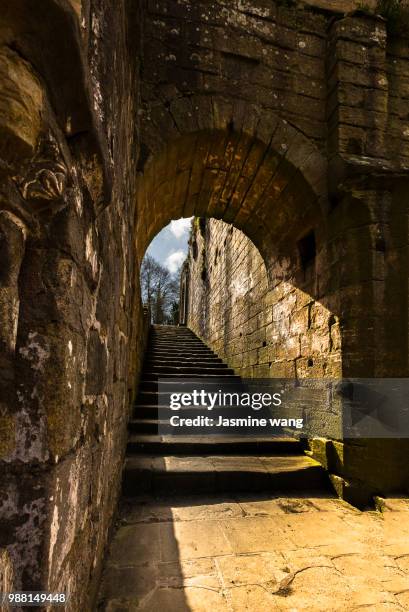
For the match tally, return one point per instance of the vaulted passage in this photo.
(269, 185)
(282, 127)
(273, 190)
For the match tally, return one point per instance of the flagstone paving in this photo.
(257, 554)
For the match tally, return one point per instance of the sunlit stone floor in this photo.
(257, 554)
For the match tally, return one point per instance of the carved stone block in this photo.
(46, 177)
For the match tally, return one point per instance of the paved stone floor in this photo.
(257, 554)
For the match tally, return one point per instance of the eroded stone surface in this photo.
(267, 554)
(259, 330)
(21, 104)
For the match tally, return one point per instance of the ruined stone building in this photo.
(287, 124)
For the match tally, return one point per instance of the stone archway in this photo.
(264, 178)
(241, 170)
(123, 91)
(239, 174)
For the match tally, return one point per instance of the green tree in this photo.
(160, 291)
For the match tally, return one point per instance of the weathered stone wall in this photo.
(267, 55)
(72, 330)
(261, 327)
(341, 82)
(264, 328)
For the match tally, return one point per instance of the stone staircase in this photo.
(164, 464)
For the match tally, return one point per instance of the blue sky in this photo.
(170, 246)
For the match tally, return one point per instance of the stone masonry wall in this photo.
(266, 328)
(72, 330)
(260, 327)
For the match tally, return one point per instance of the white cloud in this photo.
(174, 261)
(180, 227)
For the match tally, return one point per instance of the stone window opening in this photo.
(307, 250)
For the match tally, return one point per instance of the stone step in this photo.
(176, 342)
(152, 396)
(187, 364)
(153, 425)
(221, 474)
(166, 361)
(203, 379)
(175, 360)
(157, 328)
(172, 329)
(149, 398)
(146, 426)
(151, 382)
(202, 354)
(175, 347)
(173, 339)
(189, 376)
(171, 342)
(192, 370)
(180, 334)
(213, 445)
(150, 411)
(179, 350)
(182, 359)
